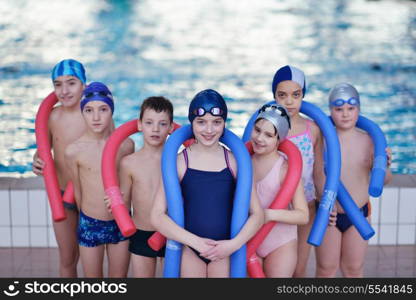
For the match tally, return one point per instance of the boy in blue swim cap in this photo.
(207, 172)
(289, 88)
(98, 232)
(65, 126)
(342, 246)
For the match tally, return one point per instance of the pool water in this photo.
(178, 47)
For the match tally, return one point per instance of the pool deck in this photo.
(382, 261)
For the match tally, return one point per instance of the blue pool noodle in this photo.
(333, 167)
(378, 172)
(250, 124)
(376, 179)
(175, 202)
(333, 171)
(242, 199)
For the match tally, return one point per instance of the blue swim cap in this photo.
(97, 91)
(69, 67)
(289, 73)
(207, 101)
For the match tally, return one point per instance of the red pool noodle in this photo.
(69, 196)
(281, 201)
(110, 177)
(44, 152)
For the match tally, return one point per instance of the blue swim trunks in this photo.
(93, 232)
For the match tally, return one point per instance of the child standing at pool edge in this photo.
(342, 245)
(65, 126)
(288, 89)
(97, 230)
(206, 171)
(279, 248)
(140, 177)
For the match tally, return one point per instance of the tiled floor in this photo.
(382, 261)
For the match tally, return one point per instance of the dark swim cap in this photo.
(207, 101)
(97, 91)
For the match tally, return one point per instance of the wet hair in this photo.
(158, 104)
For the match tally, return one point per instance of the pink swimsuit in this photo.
(305, 145)
(281, 233)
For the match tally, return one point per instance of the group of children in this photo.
(81, 125)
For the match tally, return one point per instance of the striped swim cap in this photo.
(69, 67)
(289, 73)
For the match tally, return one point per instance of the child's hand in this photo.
(107, 202)
(221, 250)
(204, 245)
(389, 157)
(332, 218)
(37, 166)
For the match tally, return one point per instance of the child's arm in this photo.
(318, 166)
(167, 227)
(389, 175)
(73, 171)
(299, 215)
(126, 180)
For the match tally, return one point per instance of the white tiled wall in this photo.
(393, 217)
(25, 219)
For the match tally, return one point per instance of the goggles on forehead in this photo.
(100, 93)
(340, 102)
(215, 111)
(277, 109)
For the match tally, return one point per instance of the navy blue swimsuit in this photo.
(208, 201)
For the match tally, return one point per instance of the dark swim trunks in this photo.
(93, 232)
(343, 222)
(138, 244)
(70, 206)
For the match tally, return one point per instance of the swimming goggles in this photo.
(340, 102)
(215, 111)
(277, 109)
(100, 93)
